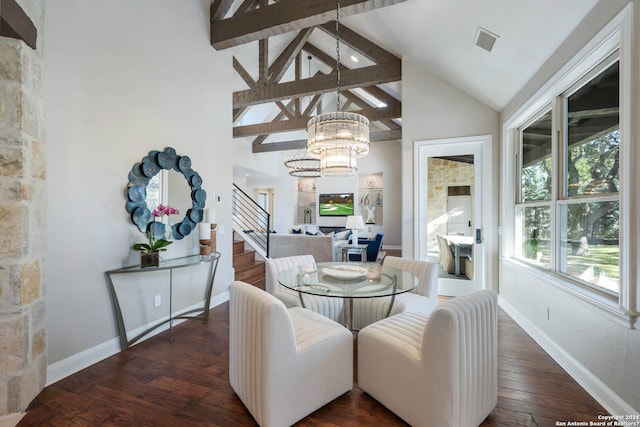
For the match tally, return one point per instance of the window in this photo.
(535, 189)
(567, 206)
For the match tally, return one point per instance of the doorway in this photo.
(265, 201)
(453, 195)
(459, 209)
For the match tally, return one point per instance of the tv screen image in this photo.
(335, 204)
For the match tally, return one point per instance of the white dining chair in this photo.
(438, 369)
(327, 306)
(423, 299)
(284, 363)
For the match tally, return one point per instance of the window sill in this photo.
(606, 305)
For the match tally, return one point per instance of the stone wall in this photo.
(442, 174)
(23, 223)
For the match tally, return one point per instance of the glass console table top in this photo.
(172, 263)
(376, 281)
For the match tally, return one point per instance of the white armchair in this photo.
(328, 307)
(284, 363)
(436, 370)
(423, 299)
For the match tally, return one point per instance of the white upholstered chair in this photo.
(436, 370)
(284, 363)
(445, 255)
(423, 299)
(328, 307)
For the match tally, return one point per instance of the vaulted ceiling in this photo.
(285, 56)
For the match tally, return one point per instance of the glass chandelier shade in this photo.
(303, 165)
(338, 139)
(338, 161)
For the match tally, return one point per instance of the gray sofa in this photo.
(323, 248)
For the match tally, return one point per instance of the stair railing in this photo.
(251, 221)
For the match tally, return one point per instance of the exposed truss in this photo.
(258, 20)
(278, 18)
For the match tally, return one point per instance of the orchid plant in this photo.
(156, 245)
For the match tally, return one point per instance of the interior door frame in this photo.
(480, 146)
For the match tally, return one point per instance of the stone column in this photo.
(23, 247)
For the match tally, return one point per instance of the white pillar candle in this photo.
(211, 216)
(204, 229)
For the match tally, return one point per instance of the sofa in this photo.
(321, 247)
(308, 240)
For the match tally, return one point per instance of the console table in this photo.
(169, 264)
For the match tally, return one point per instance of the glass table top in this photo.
(166, 264)
(348, 280)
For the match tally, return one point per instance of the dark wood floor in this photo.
(184, 382)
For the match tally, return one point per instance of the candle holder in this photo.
(213, 237)
(205, 247)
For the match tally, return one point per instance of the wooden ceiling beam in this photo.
(283, 17)
(364, 104)
(313, 104)
(263, 61)
(299, 144)
(365, 47)
(298, 76)
(219, 9)
(243, 73)
(307, 112)
(260, 138)
(16, 24)
(246, 6)
(285, 110)
(373, 114)
(349, 79)
(374, 91)
(284, 60)
(385, 135)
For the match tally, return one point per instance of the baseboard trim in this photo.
(592, 384)
(86, 358)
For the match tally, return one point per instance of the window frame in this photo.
(520, 206)
(615, 36)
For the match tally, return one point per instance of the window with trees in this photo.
(569, 182)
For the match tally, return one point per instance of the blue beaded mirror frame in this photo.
(140, 175)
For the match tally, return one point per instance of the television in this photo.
(335, 204)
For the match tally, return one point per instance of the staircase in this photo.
(247, 269)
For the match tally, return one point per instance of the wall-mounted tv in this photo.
(335, 204)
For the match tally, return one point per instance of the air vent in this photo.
(485, 39)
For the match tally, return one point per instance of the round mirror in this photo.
(151, 182)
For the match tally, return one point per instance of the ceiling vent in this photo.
(485, 39)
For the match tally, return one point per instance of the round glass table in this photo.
(348, 281)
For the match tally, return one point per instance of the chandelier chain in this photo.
(338, 53)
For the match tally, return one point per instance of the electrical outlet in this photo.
(157, 300)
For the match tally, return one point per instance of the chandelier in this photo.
(341, 137)
(303, 165)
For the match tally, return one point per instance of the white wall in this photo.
(123, 78)
(383, 157)
(592, 343)
(433, 109)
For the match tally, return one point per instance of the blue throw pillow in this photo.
(296, 231)
(311, 234)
